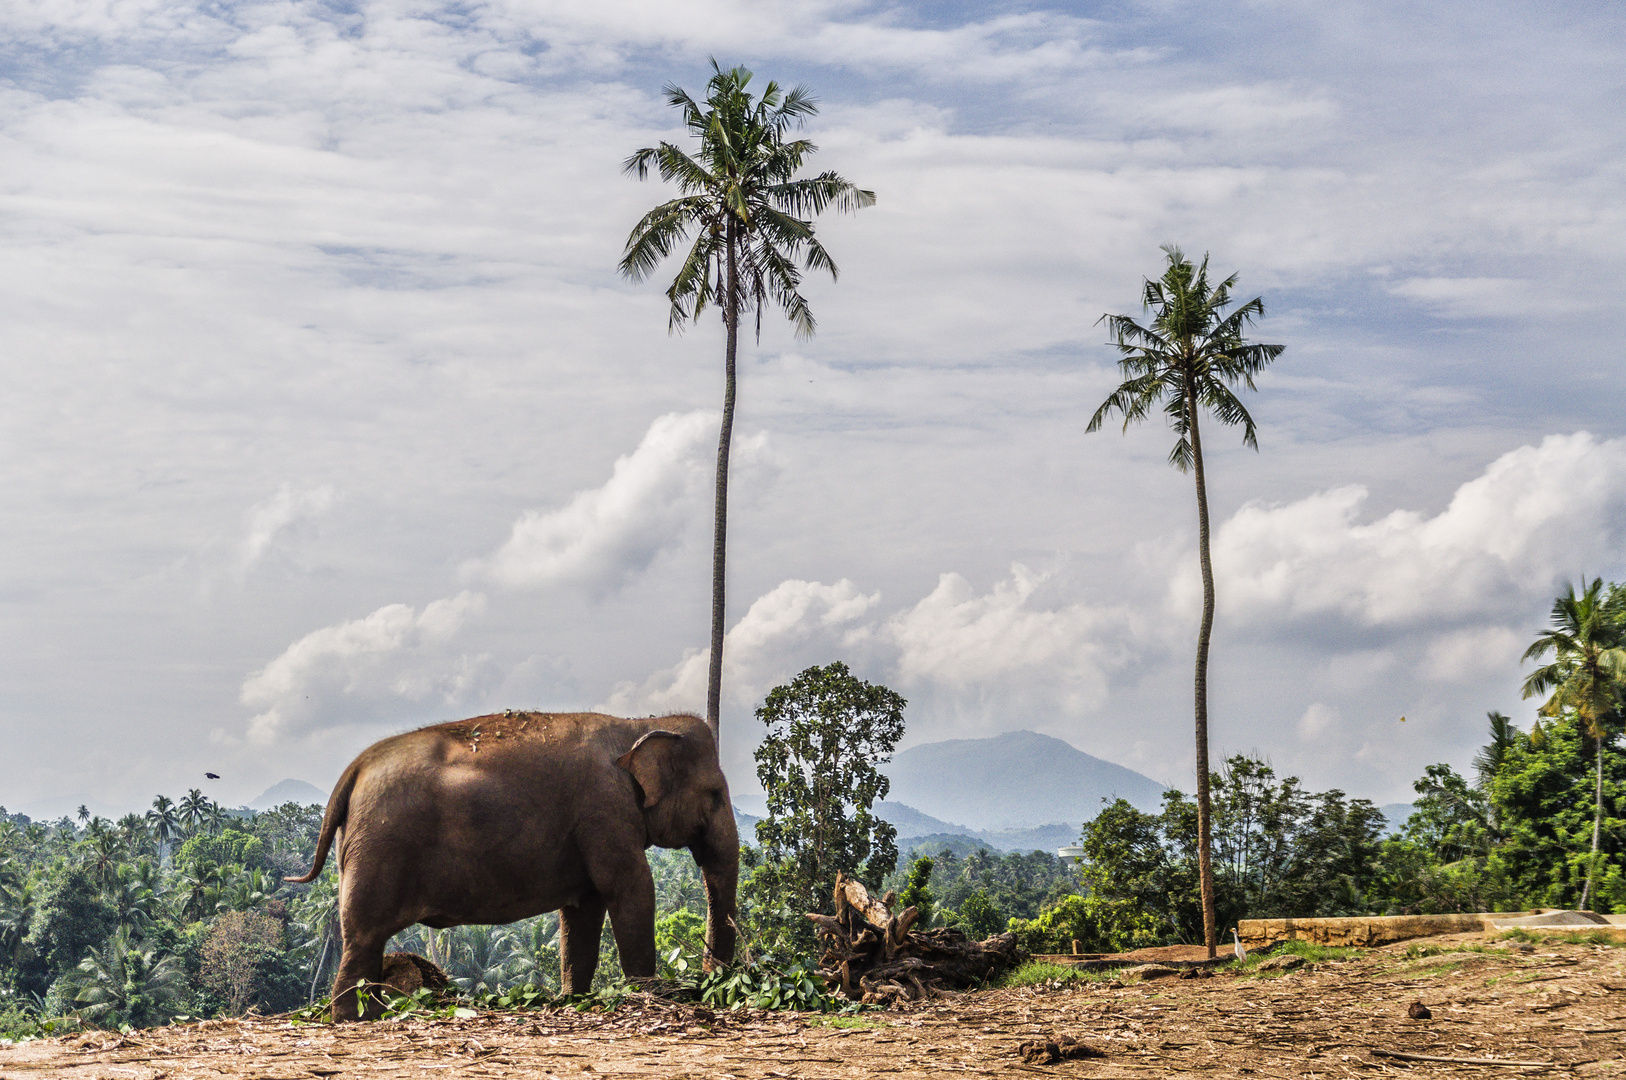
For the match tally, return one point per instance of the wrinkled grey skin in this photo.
(502, 817)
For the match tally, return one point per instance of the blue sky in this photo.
(325, 414)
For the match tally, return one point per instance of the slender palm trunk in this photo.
(1597, 829)
(316, 973)
(1205, 860)
(719, 542)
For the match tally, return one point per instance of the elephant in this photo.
(501, 817)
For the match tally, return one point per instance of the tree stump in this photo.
(405, 972)
(869, 954)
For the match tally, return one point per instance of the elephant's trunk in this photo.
(720, 868)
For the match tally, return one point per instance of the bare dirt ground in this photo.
(1559, 1006)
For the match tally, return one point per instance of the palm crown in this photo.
(738, 186)
(1589, 658)
(1190, 356)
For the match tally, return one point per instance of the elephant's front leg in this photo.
(632, 917)
(579, 930)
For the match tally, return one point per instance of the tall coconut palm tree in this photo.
(752, 221)
(16, 914)
(1585, 678)
(1188, 360)
(193, 810)
(165, 823)
(318, 916)
(480, 960)
(533, 948)
(133, 897)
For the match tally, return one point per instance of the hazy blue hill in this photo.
(296, 791)
(1039, 838)
(1014, 781)
(1396, 813)
(911, 822)
(959, 843)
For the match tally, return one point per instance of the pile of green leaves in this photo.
(421, 1004)
(762, 984)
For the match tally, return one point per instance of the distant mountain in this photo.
(914, 828)
(1396, 814)
(1014, 781)
(1039, 838)
(916, 846)
(911, 822)
(295, 791)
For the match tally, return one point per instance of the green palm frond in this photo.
(1191, 355)
(738, 189)
(1587, 675)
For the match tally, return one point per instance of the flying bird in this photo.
(212, 775)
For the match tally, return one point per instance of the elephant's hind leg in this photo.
(579, 930)
(363, 961)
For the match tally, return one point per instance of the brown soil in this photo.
(1560, 1005)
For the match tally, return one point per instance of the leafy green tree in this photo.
(1588, 642)
(1189, 360)
(827, 732)
(229, 846)
(981, 917)
(917, 893)
(1127, 863)
(1545, 797)
(1450, 818)
(751, 220)
(128, 983)
(1098, 924)
(70, 918)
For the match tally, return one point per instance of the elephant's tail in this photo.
(333, 819)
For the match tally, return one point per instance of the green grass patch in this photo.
(857, 1023)
(1579, 937)
(1318, 954)
(1036, 972)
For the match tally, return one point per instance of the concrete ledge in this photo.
(1364, 931)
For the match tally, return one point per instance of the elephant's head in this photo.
(685, 803)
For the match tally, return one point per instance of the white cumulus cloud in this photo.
(1535, 515)
(267, 521)
(793, 625)
(355, 671)
(603, 536)
(961, 641)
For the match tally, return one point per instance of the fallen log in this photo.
(870, 954)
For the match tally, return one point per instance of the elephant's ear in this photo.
(650, 765)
